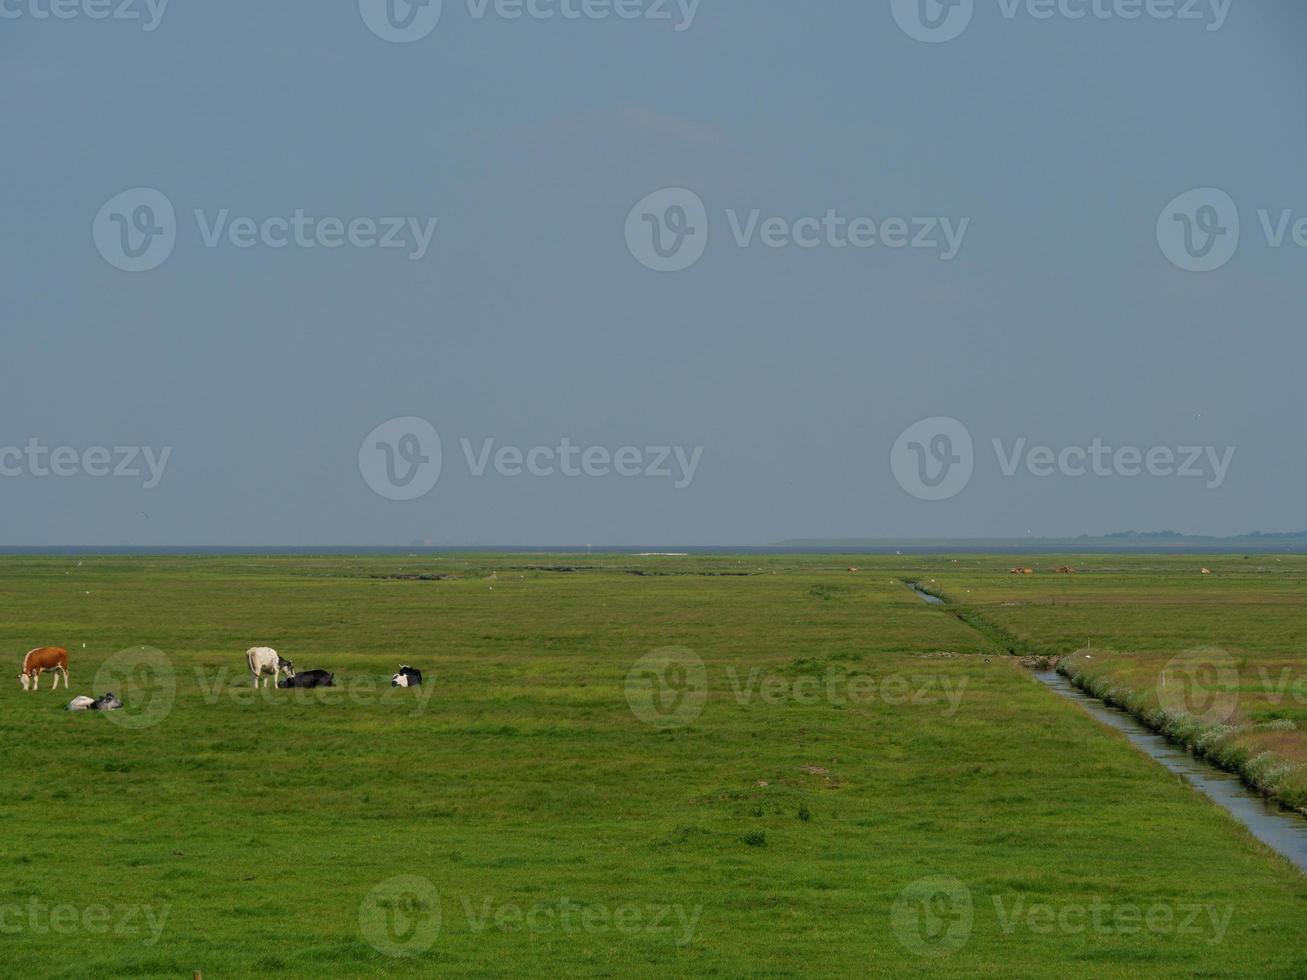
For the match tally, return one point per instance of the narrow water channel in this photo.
(1279, 828)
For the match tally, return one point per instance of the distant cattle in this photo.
(1207, 571)
(310, 678)
(407, 677)
(1021, 570)
(854, 568)
(54, 659)
(264, 661)
(1066, 570)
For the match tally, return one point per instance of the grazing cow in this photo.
(265, 660)
(80, 703)
(1207, 571)
(54, 659)
(407, 677)
(310, 678)
(107, 702)
(1066, 570)
(1019, 570)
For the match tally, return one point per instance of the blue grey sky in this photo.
(786, 374)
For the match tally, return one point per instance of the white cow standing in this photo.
(264, 661)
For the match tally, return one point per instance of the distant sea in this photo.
(1108, 544)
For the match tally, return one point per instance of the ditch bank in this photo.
(1250, 786)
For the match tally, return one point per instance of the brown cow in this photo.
(1066, 570)
(38, 661)
(1019, 570)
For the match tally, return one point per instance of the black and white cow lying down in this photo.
(407, 677)
(108, 702)
(310, 678)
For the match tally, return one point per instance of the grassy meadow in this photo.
(620, 766)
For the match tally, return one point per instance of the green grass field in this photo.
(619, 767)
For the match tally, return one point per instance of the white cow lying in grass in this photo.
(265, 661)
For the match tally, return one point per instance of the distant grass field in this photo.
(619, 767)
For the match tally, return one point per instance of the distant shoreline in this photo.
(1263, 544)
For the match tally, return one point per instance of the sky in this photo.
(724, 273)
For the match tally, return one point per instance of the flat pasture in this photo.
(618, 766)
